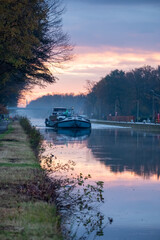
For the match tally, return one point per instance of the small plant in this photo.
(76, 198)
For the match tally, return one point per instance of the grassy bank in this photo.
(137, 126)
(24, 213)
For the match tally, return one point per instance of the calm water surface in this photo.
(128, 162)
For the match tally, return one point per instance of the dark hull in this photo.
(73, 123)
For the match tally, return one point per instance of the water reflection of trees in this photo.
(126, 150)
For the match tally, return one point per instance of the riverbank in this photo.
(138, 126)
(24, 214)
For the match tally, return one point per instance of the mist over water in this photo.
(43, 106)
(128, 163)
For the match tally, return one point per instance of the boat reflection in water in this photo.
(76, 133)
(68, 135)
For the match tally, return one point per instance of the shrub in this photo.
(34, 135)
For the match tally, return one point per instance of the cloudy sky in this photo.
(108, 35)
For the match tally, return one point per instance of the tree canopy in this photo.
(125, 93)
(31, 38)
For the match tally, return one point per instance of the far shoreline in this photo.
(152, 127)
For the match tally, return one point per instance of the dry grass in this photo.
(16, 147)
(22, 217)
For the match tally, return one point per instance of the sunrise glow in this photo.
(92, 64)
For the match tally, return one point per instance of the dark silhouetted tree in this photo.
(31, 38)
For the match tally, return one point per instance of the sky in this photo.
(107, 35)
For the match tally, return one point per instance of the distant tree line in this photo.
(31, 38)
(136, 92)
(43, 106)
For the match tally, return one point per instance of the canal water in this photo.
(128, 162)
